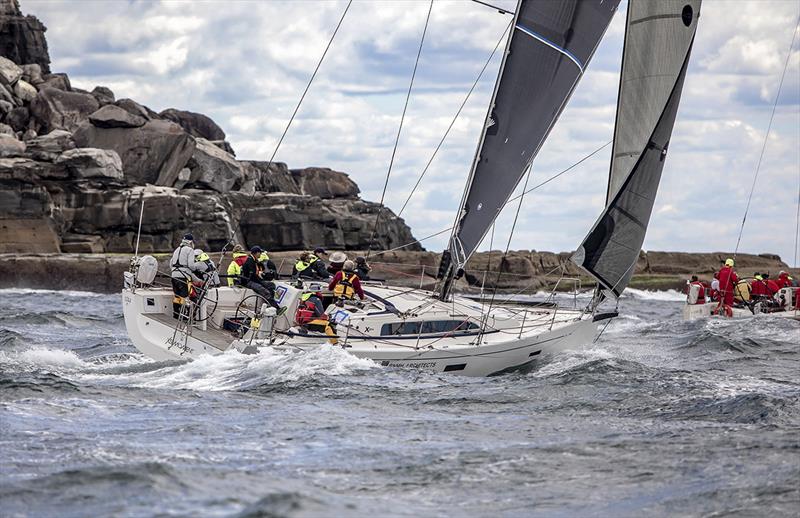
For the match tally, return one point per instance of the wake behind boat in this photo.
(547, 52)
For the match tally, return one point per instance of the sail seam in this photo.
(550, 44)
(655, 17)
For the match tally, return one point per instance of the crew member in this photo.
(182, 273)
(269, 272)
(337, 261)
(312, 301)
(251, 279)
(742, 291)
(235, 268)
(727, 282)
(700, 298)
(310, 266)
(758, 288)
(784, 280)
(772, 286)
(714, 293)
(345, 284)
(205, 268)
(362, 268)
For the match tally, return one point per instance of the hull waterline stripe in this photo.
(551, 45)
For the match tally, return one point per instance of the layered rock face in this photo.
(76, 167)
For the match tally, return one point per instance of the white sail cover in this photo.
(548, 51)
(658, 42)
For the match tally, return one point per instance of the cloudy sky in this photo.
(245, 64)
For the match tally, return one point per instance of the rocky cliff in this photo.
(76, 167)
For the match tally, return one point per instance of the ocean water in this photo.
(658, 417)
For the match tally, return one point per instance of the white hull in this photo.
(696, 311)
(513, 338)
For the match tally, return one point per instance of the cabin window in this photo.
(430, 326)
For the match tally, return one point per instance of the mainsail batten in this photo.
(547, 53)
(658, 42)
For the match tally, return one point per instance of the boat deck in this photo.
(217, 339)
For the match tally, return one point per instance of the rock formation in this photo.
(22, 37)
(76, 166)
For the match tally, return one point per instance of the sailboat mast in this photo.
(450, 272)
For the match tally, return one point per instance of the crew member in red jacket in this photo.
(758, 288)
(345, 284)
(784, 280)
(727, 283)
(701, 290)
(772, 286)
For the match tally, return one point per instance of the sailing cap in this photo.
(729, 262)
(188, 237)
(256, 250)
(338, 257)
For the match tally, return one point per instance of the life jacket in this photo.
(306, 312)
(344, 288)
(301, 265)
(742, 292)
(235, 268)
(179, 268)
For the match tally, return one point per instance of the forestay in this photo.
(548, 51)
(658, 42)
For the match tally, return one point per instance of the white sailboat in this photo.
(547, 53)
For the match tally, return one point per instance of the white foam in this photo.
(67, 293)
(42, 357)
(235, 371)
(668, 295)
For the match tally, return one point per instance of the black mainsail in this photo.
(546, 55)
(658, 42)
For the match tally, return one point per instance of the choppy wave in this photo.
(229, 371)
(54, 293)
(673, 406)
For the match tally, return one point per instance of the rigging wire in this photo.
(509, 201)
(766, 137)
(311, 80)
(579, 162)
(400, 128)
(508, 243)
(452, 123)
(237, 220)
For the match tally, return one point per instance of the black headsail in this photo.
(658, 42)
(547, 53)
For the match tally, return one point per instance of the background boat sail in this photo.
(546, 55)
(658, 42)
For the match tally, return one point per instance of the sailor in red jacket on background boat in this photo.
(727, 283)
(695, 291)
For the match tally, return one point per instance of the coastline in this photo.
(521, 271)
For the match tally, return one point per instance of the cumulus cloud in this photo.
(246, 63)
